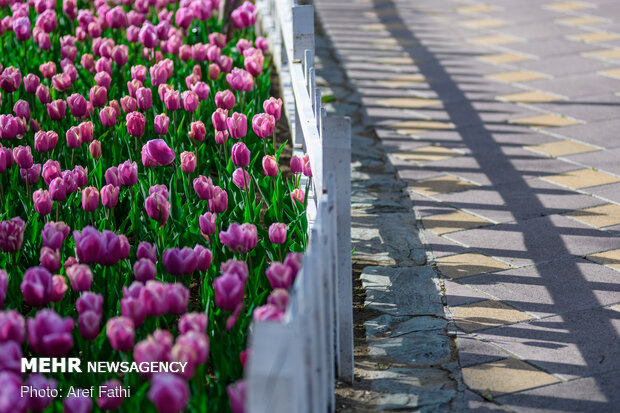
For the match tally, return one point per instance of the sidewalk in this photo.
(502, 122)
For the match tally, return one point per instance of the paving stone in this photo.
(493, 40)
(486, 314)
(580, 21)
(565, 65)
(428, 154)
(409, 103)
(393, 326)
(609, 192)
(518, 200)
(609, 258)
(564, 345)
(576, 86)
(615, 73)
(459, 294)
(530, 97)
(604, 54)
(537, 240)
(562, 148)
(553, 46)
(503, 58)
(593, 37)
(464, 265)
(599, 216)
(387, 239)
(568, 5)
(485, 23)
(401, 291)
(582, 178)
(545, 121)
(552, 288)
(441, 246)
(518, 76)
(591, 394)
(505, 376)
(475, 403)
(404, 388)
(602, 133)
(439, 185)
(588, 109)
(415, 348)
(453, 221)
(474, 351)
(479, 8)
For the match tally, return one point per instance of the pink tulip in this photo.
(138, 72)
(169, 393)
(228, 291)
(148, 251)
(240, 80)
(107, 116)
(204, 257)
(157, 153)
(59, 288)
(103, 80)
(277, 233)
(219, 201)
(23, 156)
(144, 97)
(237, 395)
(263, 125)
(273, 107)
(135, 123)
(36, 286)
(153, 298)
(198, 131)
(240, 155)
(204, 188)
(90, 198)
(42, 202)
(22, 109)
(157, 208)
(189, 101)
(54, 234)
(172, 100)
(95, 149)
(218, 118)
(161, 123)
(214, 71)
(120, 332)
(44, 96)
(305, 165)
(298, 195)
(109, 196)
(129, 104)
(262, 43)
(267, 312)
(295, 165)
(57, 109)
(48, 69)
(279, 297)
(180, 261)
(80, 277)
(270, 166)
(57, 189)
(128, 173)
(241, 178)
(98, 96)
(207, 223)
(225, 99)
(31, 174)
(202, 90)
(144, 270)
(77, 105)
(177, 298)
(193, 322)
(237, 125)
(120, 55)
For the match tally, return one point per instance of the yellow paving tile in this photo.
(530, 97)
(379, 27)
(549, 120)
(394, 41)
(563, 148)
(485, 314)
(480, 8)
(483, 23)
(610, 258)
(416, 126)
(582, 178)
(605, 54)
(428, 154)
(599, 216)
(464, 265)
(395, 60)
(440, 185)
(615, 73)
(493, 40)
(518, 76)
(580, 21)
(409, 103)
(402, 81)
(569, 5)
(452, 221)
(505, 376)
(593, 37)
(500, 58)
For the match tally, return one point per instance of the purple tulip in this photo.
(144, 98)
(108, 117)
(50, 259)
(132, 306)
(161, 124)
(37, 286)
(267, 312)
(10, 393)
(57, 191)
(77, 105)
(277, 233)
(109, 196)
(42, 399)
(293, 260)
(263, 125)
(78, 403)
(10, 357)
(188, 162)
(279, 298)
(279, 275)
(295, 165)
(6, 158)
(153, 298)
(177, 298)
(179, 262)
(154, 348)
(89, 301)
(148, 251)
(22, 109)
(228, 291)
(218, 119)
(225, 99)
(172, 100)
(49, 334)
(98, 96)
(12, 327)
(12, 234)
(204, 188)
(135, 123)
(169, 393)
(128, 173)
(31, 83)
(219, 202)
(106, 402)
(4, 285)
(203, 257)
(192, 348)
(193, 322)
(157, 208)
(198, 131)
(89, 323)
(89, 245)
(237, 125)
(207, 223)
(144, 270)
(237, 268)
(241, 179)
(157, 152)
(120, 332)
(80, 277)
(90, 199)
(240, 80)
(23, 156)
(54, 234)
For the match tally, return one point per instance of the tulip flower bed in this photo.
(144, 215)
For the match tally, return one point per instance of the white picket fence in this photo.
(294, 363)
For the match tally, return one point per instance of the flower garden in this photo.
(144, 213)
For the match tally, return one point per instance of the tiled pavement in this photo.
(503, 119)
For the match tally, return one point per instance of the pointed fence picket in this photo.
(294, 363)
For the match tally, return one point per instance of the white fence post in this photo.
(337, 159)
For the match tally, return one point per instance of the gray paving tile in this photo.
(459, 294)
(442, 246)
(552, 47)
(519, 200)
(475, 351)
(609, 192)
(537, 240)
(589, 109)
(605, 160)
(592, 394)
(577, 85)
(552, 288)
(570, 64)
(603, 133)
(572, 345)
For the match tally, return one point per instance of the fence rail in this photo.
(294, 363)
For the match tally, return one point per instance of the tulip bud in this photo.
(237, 125)
(144, 270)
(80, 277)
(95, 149)
(107, 116)
(90, 198)
(241, 178)
(188, 162)
(270, 166)
(198, 131)
(219, 201)
(169, 393)
(207, 222)
(277, 233)
(109, 196)
(161, 123)
(57, 189)
(135, 123)
(42, 202)
(240, 155)
(295, 165)
(120, 332)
